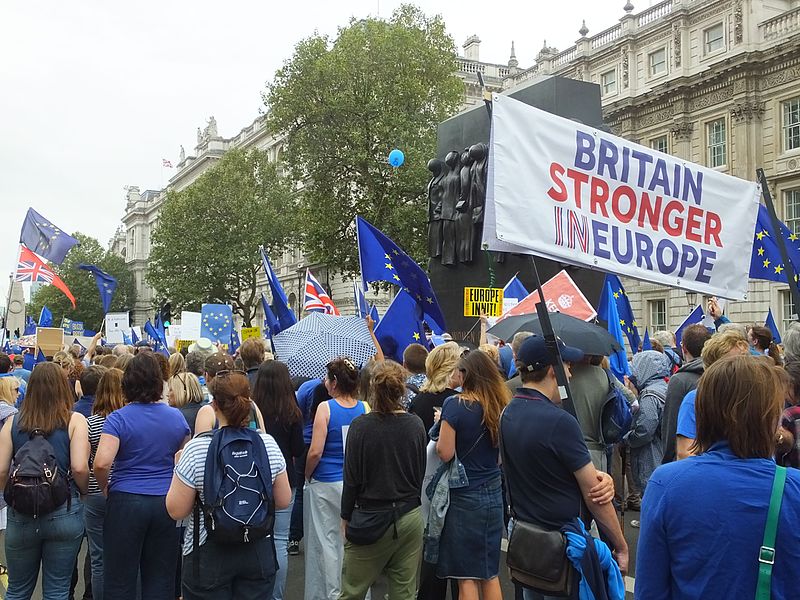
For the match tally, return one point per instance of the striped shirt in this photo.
(191, 467)
(95, 430)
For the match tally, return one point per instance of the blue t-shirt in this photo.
(466, 418)
(331, 464)
(22, 373)
(544, 447)
(305, 396)
(703, 523)
(84, 406)
(687, 426)
(149, 436)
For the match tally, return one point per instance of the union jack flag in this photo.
(317, 299)
(31, 267)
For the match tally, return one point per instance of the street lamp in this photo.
(691, 299)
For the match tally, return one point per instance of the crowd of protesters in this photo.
(415, 472)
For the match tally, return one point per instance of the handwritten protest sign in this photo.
(250, 332)
(572, 193)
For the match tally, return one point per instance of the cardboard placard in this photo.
(190, 325)
(49, 340)
(488, 301)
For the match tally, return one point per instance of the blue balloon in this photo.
(397, 158)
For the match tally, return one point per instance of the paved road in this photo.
(294, 584)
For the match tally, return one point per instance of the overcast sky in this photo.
(93, 94)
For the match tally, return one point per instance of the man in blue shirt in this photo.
(90, 379)
(550, 474)
(19, 370)
(7, 370)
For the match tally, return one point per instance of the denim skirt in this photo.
(473, 528)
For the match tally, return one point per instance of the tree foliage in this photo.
(344, 104)
(89, 308)
(205, 246)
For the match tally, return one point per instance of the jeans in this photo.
(52, 541)
(94, 512)
(296, 527)
(139, 536)
(281, 535)
(229, 571)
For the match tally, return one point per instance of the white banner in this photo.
(566, 191)
(117, 322)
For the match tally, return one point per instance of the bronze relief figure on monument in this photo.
(457, 198)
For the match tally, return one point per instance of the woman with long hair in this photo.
(140, 540)
(186, 395)
(761, 340)
(51, 541)
(322, 496)
(383, 471)
(729, 486)
(274, 395)
(109, 397)
(243, 571)
(177, 363)
(469, 548)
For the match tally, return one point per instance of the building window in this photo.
(608, 81)
(657, 311)
(791, 209)
(657, 62)
(714, 38)
(788, 309)
(717, 155)
(791, 124)
(660, 143)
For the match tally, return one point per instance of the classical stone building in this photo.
(132, 239)
(716, 82)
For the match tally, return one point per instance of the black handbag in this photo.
(368, 526)
(536, 557)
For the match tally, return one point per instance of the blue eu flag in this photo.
(773, 327)
(158, 338)
(696, 316)
(271, 325)
(280, 305)
(30, 326)
(626, 318)
(45, 317)
(235, 343)
(106, 284)
(646, 345)
(400, 326)
(515, 289)
(618, 361)
(766, 262)
(362, 308)
(216, 323)
(383, 260)
(44, 238)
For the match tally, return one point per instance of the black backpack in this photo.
(36, 486)
(237, 488)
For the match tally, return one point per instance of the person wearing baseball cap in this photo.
(550, 476)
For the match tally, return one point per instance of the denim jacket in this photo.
(449, 475)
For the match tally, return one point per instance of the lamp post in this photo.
(691, 299)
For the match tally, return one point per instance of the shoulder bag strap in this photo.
(766, 554)
(504, 462)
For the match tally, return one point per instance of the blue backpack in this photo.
(616, 417)
(239, 506)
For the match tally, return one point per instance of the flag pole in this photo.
(11, 278)
(781, 243)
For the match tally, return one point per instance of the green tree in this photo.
(343, 105)
(205, 247)
(88, 308)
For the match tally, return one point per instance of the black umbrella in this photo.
(590, 338)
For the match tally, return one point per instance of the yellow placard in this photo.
(250, 332)
(487, 301)
(181, 344)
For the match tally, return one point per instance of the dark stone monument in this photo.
(457, 193)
